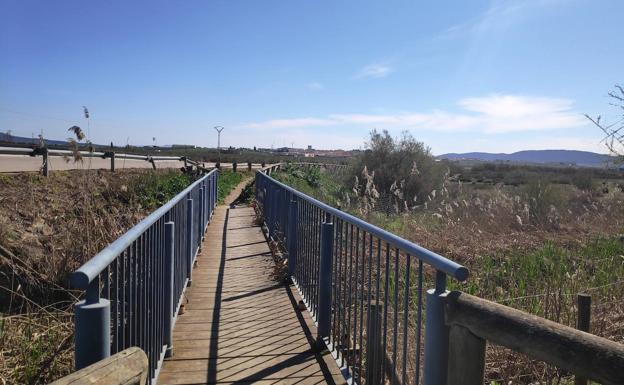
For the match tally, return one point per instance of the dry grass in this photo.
(533, 247)
(48, 228)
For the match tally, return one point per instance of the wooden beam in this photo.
(466, 357)
(128, 367)
(581, 353)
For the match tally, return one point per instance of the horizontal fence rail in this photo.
(45, 153)
(363, 286)
(473, 321)
(133, 287)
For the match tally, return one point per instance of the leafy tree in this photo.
(398, 166)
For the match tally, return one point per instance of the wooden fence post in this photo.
(466, 359)
(582, 323)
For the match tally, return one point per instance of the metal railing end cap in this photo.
(462, 274)
(79, 280)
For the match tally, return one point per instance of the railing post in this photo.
(274, 209)
(466, 357)
(112, 158)
(436, 334)
(582, 323)
(46, 161)
(92, 327)
(202, 204)
(212, 184)
(248, 166)
(374, 346)
(189, 239)
(234, 166)
(168, 286)
(292, 237)
(325, 280)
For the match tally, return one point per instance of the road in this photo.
(22, 163)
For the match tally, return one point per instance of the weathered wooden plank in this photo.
(466, 357)
(240, 325)
(581, 353)
(128, 367)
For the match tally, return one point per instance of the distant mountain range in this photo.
(5, 138)
(568, 157)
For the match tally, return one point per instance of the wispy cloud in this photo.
(315, 86)
(490, 114)
(501, 14)
(374, 71)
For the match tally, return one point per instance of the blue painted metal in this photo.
(373, 322)
(292, 237)
(86, 273)
(432, 259)
(325, 280)
(92, 324)
(168, 287)
(436, 334)
(125, 283)
(189, 240)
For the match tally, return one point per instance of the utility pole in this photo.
(219, 129)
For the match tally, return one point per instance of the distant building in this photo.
(182, 146)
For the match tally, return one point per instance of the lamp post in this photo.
(219, 129)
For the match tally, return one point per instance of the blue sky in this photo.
(471, 75)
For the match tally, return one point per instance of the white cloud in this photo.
(374, 71)
(290, 123)
(315, 86)
(488, 114)
(509, 113)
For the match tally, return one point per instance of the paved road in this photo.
(22, 163)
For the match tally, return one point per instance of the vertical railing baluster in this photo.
(189, 239)
(292, 237)
(168, 286)
(325, 280)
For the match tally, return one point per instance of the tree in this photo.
(401, 165)
(613, 131)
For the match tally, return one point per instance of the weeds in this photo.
(532, 247)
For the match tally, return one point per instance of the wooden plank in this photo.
(239, 324)
(581, 353)
(128, 367)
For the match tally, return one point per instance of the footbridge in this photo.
(288, 290)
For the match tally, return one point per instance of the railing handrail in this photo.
(82, 277)
(429, 257)
(593, 357)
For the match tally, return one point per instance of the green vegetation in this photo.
(155, 189)
(396, 167)
(532, 246)
(228, 180)
(313, 181)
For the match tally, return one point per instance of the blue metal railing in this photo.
(363, 286)
(133, 287)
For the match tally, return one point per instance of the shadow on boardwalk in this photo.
(239, 325)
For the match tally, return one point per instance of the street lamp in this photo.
(219, 129)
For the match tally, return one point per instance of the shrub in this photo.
(393, 162)
(544, 201)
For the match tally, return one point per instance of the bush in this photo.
(544, 201)
(393, 162)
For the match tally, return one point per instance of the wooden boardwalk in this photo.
(239, 324)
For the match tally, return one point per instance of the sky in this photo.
(460, 76)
